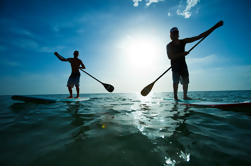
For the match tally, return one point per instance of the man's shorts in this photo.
(182, 77)
(73, 80)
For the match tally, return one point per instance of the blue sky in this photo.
(121, 42)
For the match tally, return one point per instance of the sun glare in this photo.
(140, 51)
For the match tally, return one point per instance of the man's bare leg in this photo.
(70, 91)
(77, 88)
(175, 91)
(185, 88)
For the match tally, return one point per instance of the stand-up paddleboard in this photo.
(44, 99)
(198, 103)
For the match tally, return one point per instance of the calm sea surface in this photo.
(125, 130)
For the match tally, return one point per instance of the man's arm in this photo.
(82, 65)
(60, 57)
(204, 34)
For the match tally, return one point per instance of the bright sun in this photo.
(140, 51)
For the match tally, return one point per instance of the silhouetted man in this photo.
(75, 74)
(176, 53)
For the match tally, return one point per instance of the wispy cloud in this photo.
(212, 60)
(13, 64)
(29, 44)
(203, 60)
(189, 5)
(183, 9)
(136, 3)
(147, 2)
(23, 32)
(221, 78)
(33, 45)
(46, 49)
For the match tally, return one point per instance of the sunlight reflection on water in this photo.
(158, 120)
(152, 122)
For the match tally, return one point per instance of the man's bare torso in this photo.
(75, 64)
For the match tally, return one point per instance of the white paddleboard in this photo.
(44, 99)
(215, 104)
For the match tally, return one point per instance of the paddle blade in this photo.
(147, 89)
(108, 87)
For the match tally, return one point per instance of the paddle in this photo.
(108, 87)
(149, 87)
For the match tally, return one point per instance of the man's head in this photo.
(75, 54)
(174, 33)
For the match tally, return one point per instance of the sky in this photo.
(121, 42)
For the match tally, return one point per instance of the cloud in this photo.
(189, 5)
(13, 64)
(136, 3)
(46, 49)
(209, 61)
(23, 32)
(147, 2)
(203, 60)
(26, 44)
(215, 72)
(221, 78)
(32, 45)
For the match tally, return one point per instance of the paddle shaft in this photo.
(91, 76)
(162, 74)
(107, 86)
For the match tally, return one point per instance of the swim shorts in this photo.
(182, 77)
(73, 80)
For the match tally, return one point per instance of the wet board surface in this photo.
(44, 99)
(215, 104)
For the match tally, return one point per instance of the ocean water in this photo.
(126, 130)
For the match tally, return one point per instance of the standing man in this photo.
(176, 53)
(75, 74)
